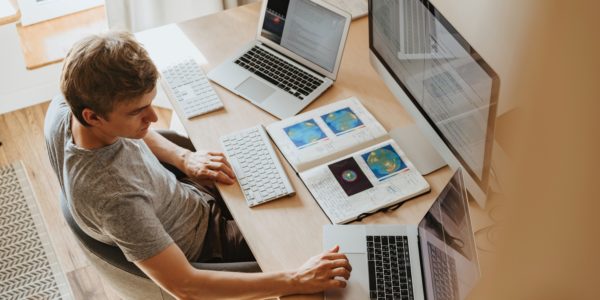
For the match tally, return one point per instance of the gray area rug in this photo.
(28, 266)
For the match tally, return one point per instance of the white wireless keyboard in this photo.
(256, 166)
(190, 87)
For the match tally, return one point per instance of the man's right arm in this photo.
(171, 270)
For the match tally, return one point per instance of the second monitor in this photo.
(437, 76)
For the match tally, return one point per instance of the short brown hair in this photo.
(101, 70)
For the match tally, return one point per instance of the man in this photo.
(108, 163)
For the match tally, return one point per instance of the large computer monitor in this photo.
(449, 90)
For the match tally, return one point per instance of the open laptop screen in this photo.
(305, 28)
(450, 267)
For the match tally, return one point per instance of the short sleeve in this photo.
(133, 225)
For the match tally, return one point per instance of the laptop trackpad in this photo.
(358, 284)
(254, 90)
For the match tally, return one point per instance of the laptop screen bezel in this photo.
(300, 59)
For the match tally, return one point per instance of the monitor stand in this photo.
(418, 149)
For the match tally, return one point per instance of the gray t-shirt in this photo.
(121, 194)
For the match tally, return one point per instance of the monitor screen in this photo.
(448, 254)
(447, 81)
(305, 28)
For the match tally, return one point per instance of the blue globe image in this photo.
(384, 161)
(305, 133)
(342, 120)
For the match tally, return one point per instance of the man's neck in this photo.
(90, 137)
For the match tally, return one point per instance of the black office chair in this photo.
(124, 276)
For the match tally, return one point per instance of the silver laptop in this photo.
(294, 58)
(435, 260)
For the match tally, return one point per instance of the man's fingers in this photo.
(336, 283)
(340, 272)
(334, 256)
(340, 263)
(223, 178)
(212, 153)
(215, 175)
(221, 159)
(218, 166)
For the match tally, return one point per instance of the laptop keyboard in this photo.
(389, 267)
(279, 72)
(443, 270)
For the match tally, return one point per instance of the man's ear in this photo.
(92, 117)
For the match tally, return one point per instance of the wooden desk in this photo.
(284, 233)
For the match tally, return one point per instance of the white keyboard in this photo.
(190, 87)
(256, 166)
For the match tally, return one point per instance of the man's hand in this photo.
(323, 272)
(205, 165)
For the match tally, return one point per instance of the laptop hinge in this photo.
(421, 263)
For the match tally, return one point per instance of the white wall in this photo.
(137, 15)
(19, 87)
(495, 28)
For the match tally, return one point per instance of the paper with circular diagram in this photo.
(364, 182)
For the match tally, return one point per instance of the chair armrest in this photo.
(244, 267)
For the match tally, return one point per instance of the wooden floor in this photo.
(22, 137)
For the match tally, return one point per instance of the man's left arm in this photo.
(200, 165)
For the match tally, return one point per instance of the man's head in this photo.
(103, 73)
